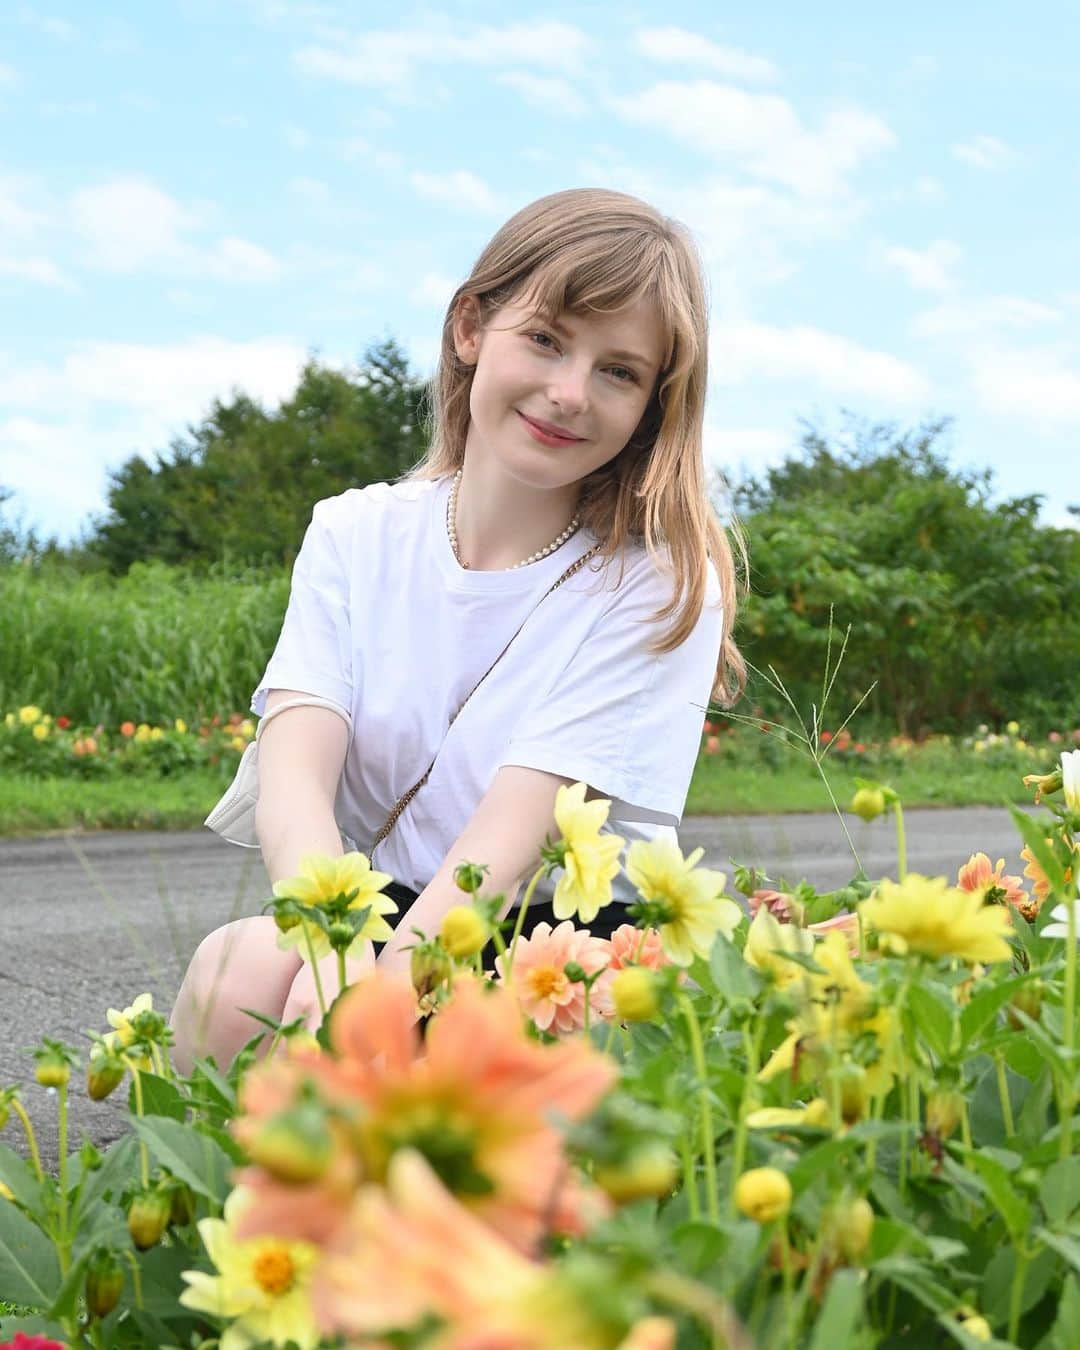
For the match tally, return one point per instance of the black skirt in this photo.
(540, 911)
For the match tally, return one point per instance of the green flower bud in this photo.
(575, 973)
(104, 1283)
(469, 877)
(147, 1217)
(52, 1070)
(650, 1170)
(869, 803)
(763, 1194)
(341, 936)
(181, 1203)
(429, 966)
(104, 1074)
(944, 1111)
(635, 995)
(849, 1226)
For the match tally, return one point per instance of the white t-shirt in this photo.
(383, 620)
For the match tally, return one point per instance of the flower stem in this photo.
(1003, 1096)
(315, 969)
(31, 1138)
(689, 1176)
(342, 981)
(1016, 1294)
(1070, 1026)
(136, 1278)
(785, 1261)
(63, 1246)
(144, 1153)
(708, 1142)
(901, 842)
(738, 1150)
(522, 910)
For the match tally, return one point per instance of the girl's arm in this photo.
(301, 756)
(505, 831)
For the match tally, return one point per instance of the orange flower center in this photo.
(274, 1270)
(546, 981)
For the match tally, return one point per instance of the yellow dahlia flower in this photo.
(767, 939)
(321, 881)
(694, 908)
(591, 859)
(929, 917)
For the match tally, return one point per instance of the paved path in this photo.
(89, 921)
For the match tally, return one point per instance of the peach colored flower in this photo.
(848, 924)
(627, 949)
(412, 1250)
(782, 906)
(977, 875)
(476, 1096)
(547, 996)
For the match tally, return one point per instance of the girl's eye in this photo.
(544, 336)
(622, 374)
(626, 376)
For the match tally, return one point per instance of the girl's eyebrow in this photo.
(636, 357)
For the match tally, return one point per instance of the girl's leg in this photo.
(303, 998)
(237, 966)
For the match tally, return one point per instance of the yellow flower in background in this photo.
(247, 728)
(180, 725)
(320, 881)
(767, 939)
(121, 1021)
(1013, 728)
(40, 731)
(763, 1194)
(29, 715)
(238, 743)
(814, 1113)
(262, 1282)
(1070, 778)
(156, 734)
(590, 859)
(142, 732)
(690, 899)
(929, 917)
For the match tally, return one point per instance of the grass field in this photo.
(719, 787)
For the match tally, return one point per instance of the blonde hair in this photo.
(589, 249)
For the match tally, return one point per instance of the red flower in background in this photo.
(825, 737)
(24, 1342)
(127, 728)
(63, 723)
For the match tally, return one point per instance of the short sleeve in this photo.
(314, 649)
(624, 720)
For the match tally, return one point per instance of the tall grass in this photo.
(158, 643)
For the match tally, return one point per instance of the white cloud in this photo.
(927, 269)
(459, 188)
(433, 289)
(974, 317)
(1041, 386)
(296, 138)
(679, 44)
(386, 58)
(54, 27)
(760, 133)
(548, 92)
(9, 76)
(753, 446)
(16, 218)
(984, 152)
(312, 190)
(37, 269)
(129, 225)
(742, 350)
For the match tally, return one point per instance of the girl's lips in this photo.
(547, 433)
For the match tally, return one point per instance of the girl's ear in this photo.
(467, 330)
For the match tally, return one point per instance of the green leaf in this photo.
(118, 1167)
(206, 1074)
(934, 1019)
(160, 1097)
(1044, 854)
(1060, 1190)
(734, 978)
(840, 1312)
(17, 1174)
(29, 1269)
(700, 1245)
(188, 1154)
(918, 1281)
(1062, 1335)
(1068, 1247)
(982, 1007)
(1013, 1208)
(67, 1298)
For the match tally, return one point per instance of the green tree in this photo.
(240, 486)
(958, 604)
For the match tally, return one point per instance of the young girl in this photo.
(559, 518)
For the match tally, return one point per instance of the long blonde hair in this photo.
(589, 249)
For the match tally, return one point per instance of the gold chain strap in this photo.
(403, 802)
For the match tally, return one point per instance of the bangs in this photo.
(604, 274)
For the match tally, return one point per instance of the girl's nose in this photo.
(570, 388)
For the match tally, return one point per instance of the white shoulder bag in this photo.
(234, 815)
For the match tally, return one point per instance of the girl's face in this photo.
(590, 376)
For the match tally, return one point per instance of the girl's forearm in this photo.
(288, 831)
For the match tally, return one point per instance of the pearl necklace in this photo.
(451, 530)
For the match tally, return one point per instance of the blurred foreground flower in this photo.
(767, 945)
(262, 1282)
(763, 1194)
(411, 1252)
(928, 917)
(685, 902)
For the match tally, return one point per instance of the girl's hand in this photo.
(393, 960)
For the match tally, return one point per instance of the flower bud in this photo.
(763, 1194)
(181, 1203)
(1043, 783)
(1028, 999)
(52, 1070)
(849, 1226)
(429, 966)
(463, 931)
(149, 1025)
(869, 803)
(104, 1283)
(285, 920)
(294, 1146)
(147, 1217)
(575, 972)
(944, 1111)
(341, 936)
(104, 1073)
(634, 993)
(977, 1327)
(469, 877)
(650, 1170)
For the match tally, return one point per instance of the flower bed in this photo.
(761, 1118)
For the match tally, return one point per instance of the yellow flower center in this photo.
(274, 1270)
(546, 981)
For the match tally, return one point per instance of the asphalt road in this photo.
(88, 921)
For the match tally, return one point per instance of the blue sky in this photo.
(196, 194)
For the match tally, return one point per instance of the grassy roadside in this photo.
(31, 806)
